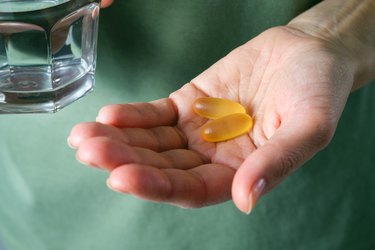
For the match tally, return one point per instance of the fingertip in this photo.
(110, 114)
(247, 198)
(70, 144)
(241, 190)
(117, 180)
(75, 137)
(114, 185)
(90, 152)
(256, 192)
(240, 197)
(250, 181)
(85, 158)
(83, 131)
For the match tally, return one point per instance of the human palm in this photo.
(293, 85)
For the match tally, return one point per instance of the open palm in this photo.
(295, 87)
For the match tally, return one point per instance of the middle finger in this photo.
(107, 153)
(157, 139)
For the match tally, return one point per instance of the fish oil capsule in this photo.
(226, 127)
(213, 108)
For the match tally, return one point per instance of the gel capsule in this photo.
(226, 127)
(214, 108)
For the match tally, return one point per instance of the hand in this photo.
(294, 85)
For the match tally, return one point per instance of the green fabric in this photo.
(147, 49)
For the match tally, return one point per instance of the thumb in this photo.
(293, 143)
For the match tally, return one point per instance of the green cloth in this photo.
(48, 201)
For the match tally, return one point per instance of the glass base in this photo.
(47, 101)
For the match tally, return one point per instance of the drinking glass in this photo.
(47, 53)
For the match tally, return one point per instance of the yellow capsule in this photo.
(226, 127)
(214, 108)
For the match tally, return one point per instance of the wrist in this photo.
(347, 28)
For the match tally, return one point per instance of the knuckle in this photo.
(288, 163)
(327, 123)
(324, 136)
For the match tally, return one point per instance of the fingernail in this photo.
(87, 163)
(109, 185)
(99, 120)
(112, 188)
(255, 194)
(69, 144)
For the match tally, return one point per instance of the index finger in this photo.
(156, 113)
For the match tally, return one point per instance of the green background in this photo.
(147, 49)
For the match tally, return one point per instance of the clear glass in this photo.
(47, 53)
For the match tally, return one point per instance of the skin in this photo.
(106, 3)
(293, 80)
